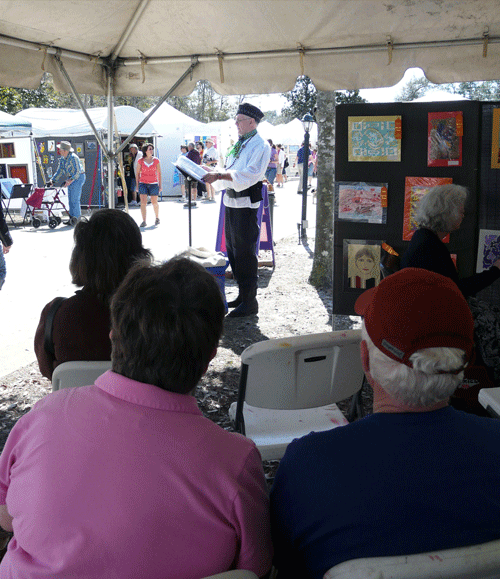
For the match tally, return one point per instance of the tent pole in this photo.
(111, 153)
(194, 63)
(80, 102)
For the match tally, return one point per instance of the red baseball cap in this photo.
(414, 309)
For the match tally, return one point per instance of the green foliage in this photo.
(488, 90)
(348, 96)
(204, 104)
(414, 89)
(302, 99)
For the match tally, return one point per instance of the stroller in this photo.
(47, 200)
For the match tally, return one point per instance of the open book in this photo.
(188, 168)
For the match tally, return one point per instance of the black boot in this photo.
(248, 302)
(245, 309)
(235, 303)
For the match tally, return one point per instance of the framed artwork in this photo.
(495, 140)
(91, 145)
(79, 149)
(444, 140)
(488, 248)
(361, 264)
(374, 138)
(415, 189)
(51, 146)
(365, 202)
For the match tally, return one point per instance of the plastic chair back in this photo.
(303, 371)
(78, 373)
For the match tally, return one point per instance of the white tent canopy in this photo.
(245, 46)
(12, 126)
(72, 123)
(162, 47)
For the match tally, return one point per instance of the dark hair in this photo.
(105, 248)
(166, 323)
(198, 143)
(144, 148)
(184, 147)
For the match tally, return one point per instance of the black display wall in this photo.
(413, 164)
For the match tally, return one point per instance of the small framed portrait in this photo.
(361, 264)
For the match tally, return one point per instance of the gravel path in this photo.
(288, 306)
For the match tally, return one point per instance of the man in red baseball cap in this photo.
(416, 475)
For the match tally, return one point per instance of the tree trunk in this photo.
(322, 270)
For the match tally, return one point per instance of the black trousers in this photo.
(242, 233)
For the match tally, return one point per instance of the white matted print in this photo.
(488, 248)
(361, 264)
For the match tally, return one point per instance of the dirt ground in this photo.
(288, 306)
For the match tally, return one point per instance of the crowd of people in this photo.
(121, 478)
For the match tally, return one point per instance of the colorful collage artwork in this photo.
(415, 189)
(495, 140)
(444, 142)
(375, 138)
(488, 248)
(365, 202)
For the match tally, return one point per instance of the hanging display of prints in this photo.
(444, 141)
(361, 264)
(375, 138)
(488, 248)
(415, 189)
(365, 202)
(495, 140)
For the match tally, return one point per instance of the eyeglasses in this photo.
(239, 121)
(151, 149)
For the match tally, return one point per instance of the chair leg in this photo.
(356, 406)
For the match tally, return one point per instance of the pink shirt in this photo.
(122, 480)
(148, 171)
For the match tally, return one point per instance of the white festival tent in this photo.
(72, 122)
(13, 127)
(173, 129)
(152, 47)
(18, 133)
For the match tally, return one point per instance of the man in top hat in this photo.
(415, 476)
(244, 169)
(71, 167)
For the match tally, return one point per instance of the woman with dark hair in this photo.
(201, 187)
(149, 181)
(273, 163)
(106, 246)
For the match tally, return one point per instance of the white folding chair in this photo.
(289, 387)
(236, 574)
(78, 373)
(490, 399)
(473, 562)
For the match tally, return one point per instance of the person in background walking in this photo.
(135, 155)
(210, 159)
(272, 167)
(182, 179)
(194, 156)
(149, 180)
(281, 161)
(71, 167)
(6, 243)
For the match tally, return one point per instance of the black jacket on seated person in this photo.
(5, 237)
(427, 251)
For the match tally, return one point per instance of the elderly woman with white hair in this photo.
(439, 213)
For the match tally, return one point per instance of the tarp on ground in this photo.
(246, 46)
(72, 122)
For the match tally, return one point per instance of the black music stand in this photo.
(189, 181)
